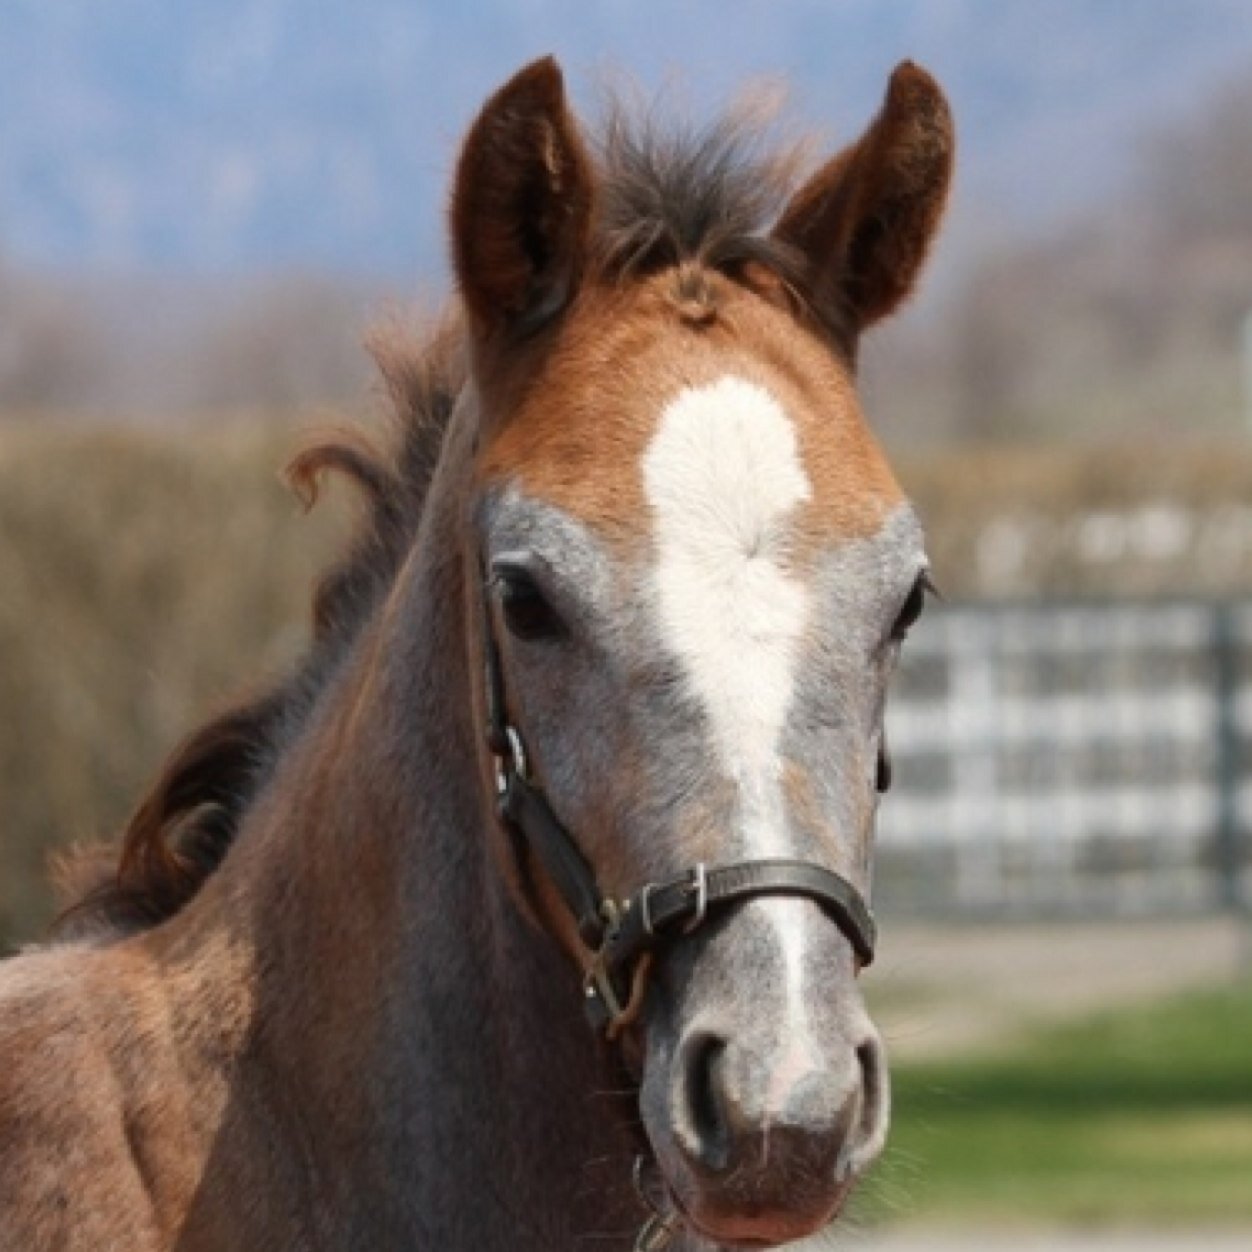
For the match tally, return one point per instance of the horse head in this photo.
(697, 570)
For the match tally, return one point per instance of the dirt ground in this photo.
(943, 989)
(1057, 1241)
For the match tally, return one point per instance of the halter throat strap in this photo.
(618, 934)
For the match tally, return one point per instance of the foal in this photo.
(592, 716)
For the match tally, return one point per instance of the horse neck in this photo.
(422, 1039)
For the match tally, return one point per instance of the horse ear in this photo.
(864, 221)
(521, 204)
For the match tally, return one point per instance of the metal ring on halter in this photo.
(700, 885)
(636, 1177)
(516, 756)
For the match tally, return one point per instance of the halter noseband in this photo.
(619, 934)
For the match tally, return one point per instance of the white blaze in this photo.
(723, 476)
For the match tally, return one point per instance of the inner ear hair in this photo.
(864, 222)
(521, 205)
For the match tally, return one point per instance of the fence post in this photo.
(1228, 766)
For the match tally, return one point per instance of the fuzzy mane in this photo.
(184, 826)
(698, 200)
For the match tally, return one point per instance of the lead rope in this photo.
(662, 1225)
(657, 1232)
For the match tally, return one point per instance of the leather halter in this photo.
(619, 934)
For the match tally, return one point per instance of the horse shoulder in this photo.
(71, 1174)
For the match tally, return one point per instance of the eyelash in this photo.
(913, 605)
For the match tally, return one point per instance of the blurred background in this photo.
(203, 207)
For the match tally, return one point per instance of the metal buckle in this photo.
(514, 759)
(700, 888)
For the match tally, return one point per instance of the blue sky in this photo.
(219, 136)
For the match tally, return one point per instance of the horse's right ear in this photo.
(521, 205)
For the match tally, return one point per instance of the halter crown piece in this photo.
(619, 934)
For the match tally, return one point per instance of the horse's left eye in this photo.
(912, 608)
(527, 614)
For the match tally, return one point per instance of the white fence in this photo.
(1073, 758)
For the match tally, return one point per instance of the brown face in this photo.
(705, 569)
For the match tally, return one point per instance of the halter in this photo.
(621, 935)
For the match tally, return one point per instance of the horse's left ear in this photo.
(864, 221)
(521, 204)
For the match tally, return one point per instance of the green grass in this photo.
(1140, 1116)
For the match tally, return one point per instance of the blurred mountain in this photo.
(1131, 322)
(213, 136)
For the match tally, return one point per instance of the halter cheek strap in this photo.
(620, 935)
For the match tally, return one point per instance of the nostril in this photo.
(867, 1059)
(702, 1082)
(871, 1127)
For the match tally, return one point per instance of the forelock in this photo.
(678, 194)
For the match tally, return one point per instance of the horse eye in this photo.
(913, 606)
(526, 613)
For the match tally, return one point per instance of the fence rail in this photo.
(1072, 758)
